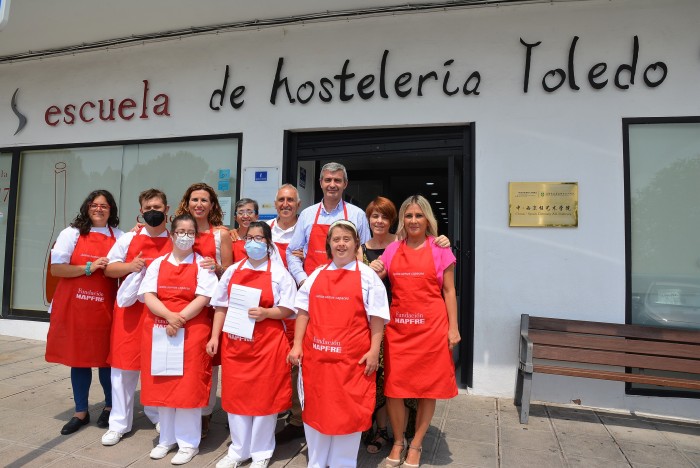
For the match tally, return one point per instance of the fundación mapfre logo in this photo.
(22, 119)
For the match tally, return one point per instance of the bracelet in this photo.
(87, 269)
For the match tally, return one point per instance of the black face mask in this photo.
(154, 218)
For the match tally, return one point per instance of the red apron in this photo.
(316, 251)
(205, 245)
(176, 289)
(338, 396)
(127, 325)
(254, 373)
(81, 311)
(239, 252)
(289, 324)
(417, 360)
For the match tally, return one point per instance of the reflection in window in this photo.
(53, 184)
(665, 222)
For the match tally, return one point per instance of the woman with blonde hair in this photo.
(423, 328)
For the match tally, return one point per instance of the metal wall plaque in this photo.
(543, 204)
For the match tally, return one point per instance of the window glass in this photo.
(665, 222)
(54, 183)
(172, 167)
(52, 186)
(5, 169)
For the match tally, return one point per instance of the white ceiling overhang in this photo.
(40, 28)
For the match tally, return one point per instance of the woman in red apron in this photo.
(246, 211)
(341, 312)
(82, 306)
(176, 290)
(255, 380)
(200, 201)
(423, 328)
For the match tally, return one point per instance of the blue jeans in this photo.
(81, 378)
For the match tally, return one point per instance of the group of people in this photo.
(328, 343)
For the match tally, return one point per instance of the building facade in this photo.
(601, 93)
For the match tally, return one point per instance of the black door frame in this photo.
(451, 140)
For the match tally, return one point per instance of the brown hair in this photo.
(153, 193)
(345, 225)
(215, 215)
(384, 206)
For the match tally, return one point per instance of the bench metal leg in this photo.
(523, 391)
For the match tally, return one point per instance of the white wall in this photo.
(563, 136)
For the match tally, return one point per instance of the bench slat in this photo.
(614, 329)
(609, 343)
(611, 358)
(618, 376)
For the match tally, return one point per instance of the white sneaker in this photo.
(160, 451)
(184, 455)
(111, 438)
(260, 463)
(228, 462)
(158, 427)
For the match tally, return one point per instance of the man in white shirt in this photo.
(287, 204)
(314, 221)
(128, 259)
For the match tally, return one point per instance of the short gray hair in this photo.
(289, 186)
(247, 201)
(333, 167)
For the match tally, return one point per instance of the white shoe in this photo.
(260, 463)
(158, 427)
(111, 438)
(184, 455)
(228, 462)
(160, 451)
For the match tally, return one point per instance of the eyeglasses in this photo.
(255, 238)
(245, 212)
(95, 206)
(190, 234)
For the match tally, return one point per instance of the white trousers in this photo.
(252, 437)
(338, 451)
(124, 384)
(181, 426)
(209, 409)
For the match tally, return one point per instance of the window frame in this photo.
(626, 123)
(6, 312)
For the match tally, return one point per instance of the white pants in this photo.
(338, 451)
(182, 426)
(123, 389)
(252, 437)
(209, 409)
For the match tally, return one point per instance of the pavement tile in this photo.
(528, 439)
(573, 427)
(455, 429)
(472, 415)
(590, 446)
(537, 420)
(693, 456)
(16, 455)
(577, 462)
(74, 461)
(635, 430)
(654, 455)
(514, 457)
(685, 436)
(469, 454)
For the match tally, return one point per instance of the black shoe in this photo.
(103, 420)
(74, 424)
(289, 432)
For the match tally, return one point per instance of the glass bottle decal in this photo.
(59, 223)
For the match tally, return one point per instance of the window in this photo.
(53, 184)
(664, 194)
(5, 170)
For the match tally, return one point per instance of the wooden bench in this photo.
(592, 344)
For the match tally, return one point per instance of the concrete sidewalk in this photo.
(36, 400)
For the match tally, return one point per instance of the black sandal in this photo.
(375, 445)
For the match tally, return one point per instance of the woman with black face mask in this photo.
(128, 259)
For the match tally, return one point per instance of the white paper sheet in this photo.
(300, 387)
(167, 352)
(237, 321)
